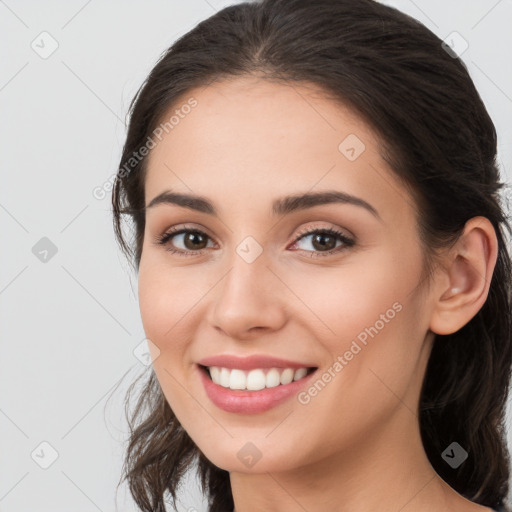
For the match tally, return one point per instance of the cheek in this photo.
(348, 299)
(167, 297)
(374, 319)
(166, 301)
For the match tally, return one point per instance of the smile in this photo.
(254, 380)
(248, 392)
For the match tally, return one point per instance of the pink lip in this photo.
(250, 402)
(252, 362)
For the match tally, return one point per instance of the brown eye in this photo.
(184, 241)
(323, 242)
(194, 240)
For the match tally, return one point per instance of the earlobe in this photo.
(464, 284)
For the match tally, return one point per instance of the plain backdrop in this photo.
(69, 319)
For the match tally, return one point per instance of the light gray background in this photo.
(69, 325)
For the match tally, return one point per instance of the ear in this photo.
(463, 284)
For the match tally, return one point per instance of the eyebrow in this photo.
(281, 206)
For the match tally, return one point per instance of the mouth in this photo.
(255, 379)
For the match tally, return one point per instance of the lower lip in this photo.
(250, 402)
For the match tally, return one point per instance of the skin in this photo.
(356, 445)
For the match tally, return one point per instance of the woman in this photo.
(323, 275)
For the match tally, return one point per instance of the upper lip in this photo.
(251, 362)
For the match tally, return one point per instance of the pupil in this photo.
(192, 238)
(322, 244)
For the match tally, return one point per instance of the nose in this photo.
(249, 300)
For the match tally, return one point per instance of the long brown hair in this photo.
(438, 138)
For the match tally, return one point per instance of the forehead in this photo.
(264, 116)
(252, 138)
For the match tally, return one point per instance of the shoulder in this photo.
(475, 507)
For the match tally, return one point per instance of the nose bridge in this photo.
(248, 277)
(248, 262)
(246, 297)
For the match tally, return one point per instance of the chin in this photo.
(251, 457)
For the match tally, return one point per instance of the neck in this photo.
(387, 471)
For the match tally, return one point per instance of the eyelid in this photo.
(316, 227)
(346, 241)
(341, 233)
(180, 228)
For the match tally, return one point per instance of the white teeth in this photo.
(215, 373)
(237, 379)
(287, 376)
(272, 379)
(301, 372)
(224, 377)
(255, 380)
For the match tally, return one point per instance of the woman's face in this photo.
(252, 282)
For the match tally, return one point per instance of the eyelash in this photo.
(168, 235)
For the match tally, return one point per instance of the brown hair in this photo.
(438, 138)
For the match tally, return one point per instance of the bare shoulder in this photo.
(474, 507)
(455, 502)
(464, 505)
